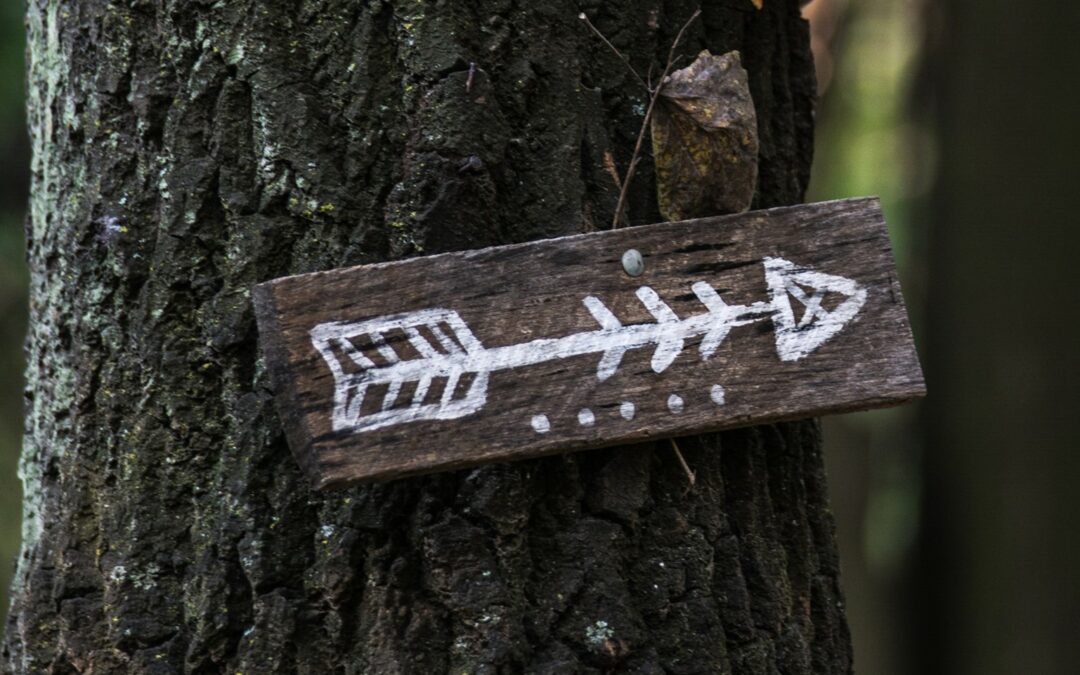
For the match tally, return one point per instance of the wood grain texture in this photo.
(516, 294)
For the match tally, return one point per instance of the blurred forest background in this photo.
(957, 517)
(14, 188)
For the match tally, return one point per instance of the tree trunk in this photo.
(999, 558)
(184, 151)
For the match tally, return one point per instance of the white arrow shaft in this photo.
(488, 360)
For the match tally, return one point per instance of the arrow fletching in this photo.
(373, 368)
(668, 348)
(609, 362)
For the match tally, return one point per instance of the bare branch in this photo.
(691, 477)
(615, 49)
(621, 204)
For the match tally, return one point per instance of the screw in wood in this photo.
(632, 262)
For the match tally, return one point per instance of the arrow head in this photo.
(795, 338)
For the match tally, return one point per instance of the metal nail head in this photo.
(632, 262)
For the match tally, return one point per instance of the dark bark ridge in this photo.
(184, 151)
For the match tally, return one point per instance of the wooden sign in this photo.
(517, 351)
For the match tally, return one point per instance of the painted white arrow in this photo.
(458, 352)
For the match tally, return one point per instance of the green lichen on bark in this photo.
(185, 151)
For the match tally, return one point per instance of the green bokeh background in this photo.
(869, 142)
(14, 170)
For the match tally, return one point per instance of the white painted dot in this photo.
(586, 418)
(627, 410)
(717, 394)
(541, 424)
(675, 403)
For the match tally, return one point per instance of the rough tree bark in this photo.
(184, 151)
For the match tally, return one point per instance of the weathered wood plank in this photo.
(517, 351)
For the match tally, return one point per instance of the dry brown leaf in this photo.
(758, 3)
(704, 138)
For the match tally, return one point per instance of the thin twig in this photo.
(472, 74)
(620, 205)
(615, 49)
(691, 478)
